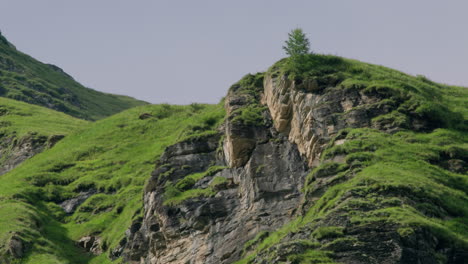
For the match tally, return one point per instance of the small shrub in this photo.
(251, 115)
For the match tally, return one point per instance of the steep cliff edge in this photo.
(345, 162)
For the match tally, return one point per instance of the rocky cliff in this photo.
(214, 215)
(14, 151)
(281, 181)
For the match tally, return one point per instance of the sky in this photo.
(181, 52)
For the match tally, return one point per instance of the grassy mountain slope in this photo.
(26, 79)
(396, 175)
(112, 157)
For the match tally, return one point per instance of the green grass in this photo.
(328, 232)
(114, 156)
(22, 122)
(182, 190)
(25, 79)
(20, 119)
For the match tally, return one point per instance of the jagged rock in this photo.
(240, 139)
(70, 205)
(311, 119)
(145, 116)
(52, 140)
(117, 251)
(91, 244)
(239, 144)
(16, 247)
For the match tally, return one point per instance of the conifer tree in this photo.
(297, 47)
(297, 43)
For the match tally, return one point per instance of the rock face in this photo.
(311, 119)
(13, 151)
(260, 196)
(70, 205)
(16, 247)
(261, 192)
(91, 244)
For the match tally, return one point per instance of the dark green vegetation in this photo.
(250, 113)
(297, 47)
(180, 191)
(113, 157)
(297, 43)
(26, 79)
(408, 176)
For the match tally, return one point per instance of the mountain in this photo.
(338, 162)
(26, 79)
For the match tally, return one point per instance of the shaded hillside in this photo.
(90, 183)
(26, 79)
(26, 130)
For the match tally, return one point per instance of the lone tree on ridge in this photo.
(297, 47)
(297, 43)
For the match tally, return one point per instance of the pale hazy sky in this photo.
(192, 51)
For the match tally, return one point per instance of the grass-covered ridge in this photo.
(25, 79)
(113, 157)
(412, 180)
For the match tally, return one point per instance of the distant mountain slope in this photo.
(25, 79)
(26, 130)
